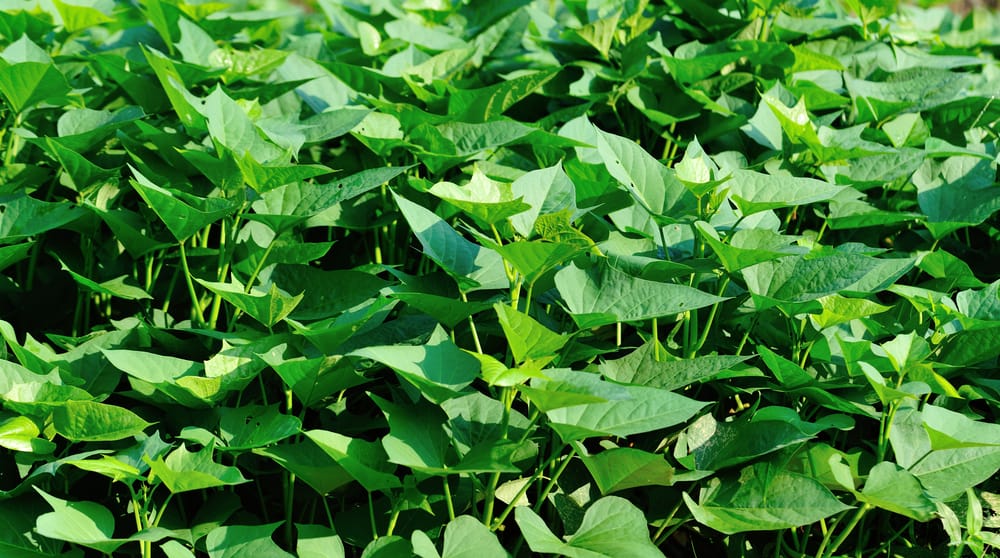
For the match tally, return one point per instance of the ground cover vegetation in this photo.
(440, 278)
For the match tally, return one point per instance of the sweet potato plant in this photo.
(452, 278)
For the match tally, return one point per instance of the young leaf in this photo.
(626, 410)
(763, 499)
(623, 468)
(611, 527)
(243, 540)
(439, 369)
(185, 471)
(366, 461)
(528, 339)
(897, 490)
(472, 266)
(599, 294)
(268, 308)
(89, 421)
(182, 218)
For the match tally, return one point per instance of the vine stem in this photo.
(666, 523)
(823, 552)
(524, 489)
(447, 498)
(708, 322)
(472, 327)
(555, 478)
(195, 303)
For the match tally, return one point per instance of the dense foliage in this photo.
(441, 278)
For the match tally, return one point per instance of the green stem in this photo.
(13, 141)
(472, 327)
(711, 318)
(524, 489)
(392, 521)
(447, 498)
(260, 265)
(656, 339)
(555, 478)
(371, 514)
(196, 313)
(490, 500)
(326, 509)
(289, 503)
(666, 523)
(844, 533)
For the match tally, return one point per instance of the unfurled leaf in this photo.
(243, 540)
(365, 461)
(184, 471)
(611, 527)
(268, 307)
(625, 410)
(82, 421)
(473, 267)
(599, 294)
(528, 339)
(439, 369)
(623, 468)
(763, 498)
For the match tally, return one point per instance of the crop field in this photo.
(470, 279)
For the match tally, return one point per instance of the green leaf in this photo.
(640, 367)
(623, 468)
(10, 255)
(268, 308)
(439, 369)
(21, 434)
(655, 188)
(183, 102)
(957, 192)
(626, 410)
(391, 546)
(78, 17)
(528, 339)
(472, 266)
(801, 279)
(312, 380)
(25, 216)
(841, 310)
(255, 426)
(184, 471)
(28, 76)
(489, 201)
(611, 527)
(113, 287)
(89, 421)
(230, 126)
(232, 541)
(416, 436)
(318, 541)
(86, 523)
(310, 464)
(714, 445)
(545, 191)
(892, 488)
(763, 498)
(747, 247)
(486, 103)
(366, 461)
(950, 430)
(753, 192)
(467, 537)
(600, 294)
(263, 178)
(182, 218)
